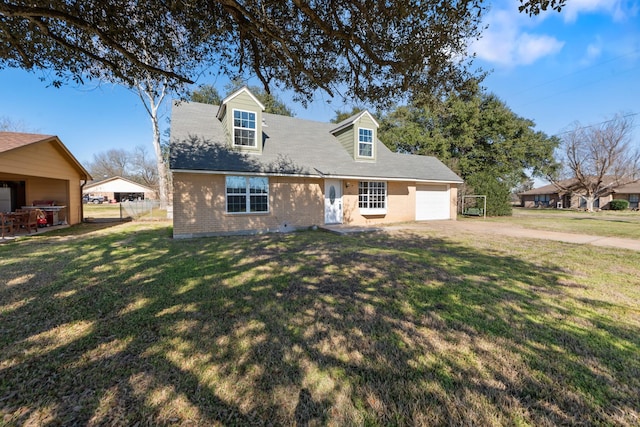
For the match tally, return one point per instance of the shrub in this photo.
(618, 205)
(497, 192)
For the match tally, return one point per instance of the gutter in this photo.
(320, 175)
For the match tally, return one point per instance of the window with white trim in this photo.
(365, 142)
(247, 194)
(244, 128)
(372, 197)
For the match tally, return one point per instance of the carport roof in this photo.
(116, 184)
(14, 140)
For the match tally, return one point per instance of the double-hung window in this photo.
(365, 142)
(633, 201)
(244, 128)
(247, 194)
(372, 197)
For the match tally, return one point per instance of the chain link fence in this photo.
(144, 210)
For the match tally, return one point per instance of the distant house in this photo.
(118, 189)
(39, 170)
(569, 194)
(550, 196)
(237, 169)
(628, 192)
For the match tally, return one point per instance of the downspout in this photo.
(84, 182)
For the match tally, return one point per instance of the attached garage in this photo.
(433, 202)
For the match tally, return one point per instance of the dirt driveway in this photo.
(506, 229)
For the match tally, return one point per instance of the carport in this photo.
(119, 189)
(36, 167)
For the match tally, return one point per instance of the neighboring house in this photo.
(118, 189)
(569, 195)
(550, 196)
(628, 192)
(37, 169)
(237, 169)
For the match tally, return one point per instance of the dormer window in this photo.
(244, 128)
(365, 142)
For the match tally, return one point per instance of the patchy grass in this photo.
(114, 210)
(123, 325)
(624, 224)
(102, 210)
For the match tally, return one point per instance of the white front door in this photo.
(332, 201)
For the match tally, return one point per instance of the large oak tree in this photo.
(478, 136)
(368, 49)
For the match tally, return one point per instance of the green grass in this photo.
(102, 210)
(123, 325)
(112, 210)
(624, 224)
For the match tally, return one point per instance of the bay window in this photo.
(372, 197)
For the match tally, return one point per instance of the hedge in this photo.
(618, 205)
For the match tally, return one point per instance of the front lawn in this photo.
(121, 325)
(624, 224)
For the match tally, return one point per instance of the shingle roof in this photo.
(15, 140)
(547, 189)
(290, 146)
(631, 188)
(12, 140)
(566, 185)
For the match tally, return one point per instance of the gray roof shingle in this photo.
(290, 146)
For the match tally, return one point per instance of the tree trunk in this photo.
(162, 170)
(152, 94)
(589, 200)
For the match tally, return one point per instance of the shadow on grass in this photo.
(302, 329)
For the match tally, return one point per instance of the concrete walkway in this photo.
(505, 229)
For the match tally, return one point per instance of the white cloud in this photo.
(620, 10)
(504, 43)
(529, 48)
(594, 50)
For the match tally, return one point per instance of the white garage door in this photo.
(432, 202)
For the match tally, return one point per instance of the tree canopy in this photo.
(377, 50)
(135, 165)
(208, 94)
(476, 135)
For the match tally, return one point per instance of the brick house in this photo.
(237, 169)
(552, 196)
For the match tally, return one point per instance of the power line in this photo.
(598, 124)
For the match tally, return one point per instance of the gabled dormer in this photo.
(241, 116)
(358, 135)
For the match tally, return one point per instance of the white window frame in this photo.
(247, 194)
(371, 198)
(242, 128)
(363, 143)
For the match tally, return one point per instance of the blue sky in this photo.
(582, 64)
